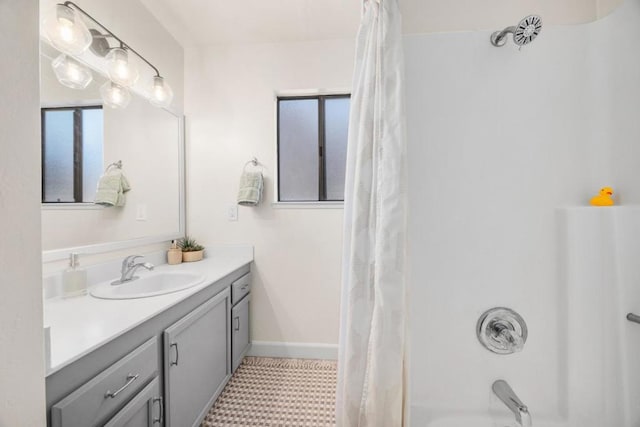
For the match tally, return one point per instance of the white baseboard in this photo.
(294, 350)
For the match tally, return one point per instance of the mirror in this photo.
(146, 139)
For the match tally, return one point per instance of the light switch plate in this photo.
(141, 212)
(232, 213)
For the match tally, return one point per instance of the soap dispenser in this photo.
(174, 255)
(74, 279)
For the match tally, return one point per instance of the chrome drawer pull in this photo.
(633, 318)
(130, 379)
(237, 319)
(244, 288)
(175, 344)
(161, 407)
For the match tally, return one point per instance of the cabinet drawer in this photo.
(240, 288)
(93, 403)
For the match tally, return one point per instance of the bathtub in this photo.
(478, 421)
(422, 417)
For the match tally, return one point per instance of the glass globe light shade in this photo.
(71, 73)
(114, 95)
(161, 94)
(66, 31)
(120, 70)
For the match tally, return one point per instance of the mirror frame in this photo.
(98, 248)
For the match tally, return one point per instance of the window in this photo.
(312, 148)
(72, 139)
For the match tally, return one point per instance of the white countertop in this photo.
(80, 325)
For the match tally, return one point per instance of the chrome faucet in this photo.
(129, 266)
(509, 398)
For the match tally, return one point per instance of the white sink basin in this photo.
(149, 285)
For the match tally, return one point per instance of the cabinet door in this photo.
(240, 333)
(144, 410)
(197, 361)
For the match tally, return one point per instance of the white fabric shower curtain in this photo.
(372, 368)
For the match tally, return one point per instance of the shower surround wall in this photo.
(498, 140)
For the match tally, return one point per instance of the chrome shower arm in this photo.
(499, 37)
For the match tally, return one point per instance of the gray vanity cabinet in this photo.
(197, 361)
(167, 371)
(144, 410)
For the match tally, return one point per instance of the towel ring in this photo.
(254, 161)
(117, 164)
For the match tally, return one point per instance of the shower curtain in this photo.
(372, 367)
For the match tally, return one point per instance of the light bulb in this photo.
(120, 70)
(67, 32)
(71, 73)
(114, 95)
(161, 94)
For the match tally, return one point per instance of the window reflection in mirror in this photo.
(72, 153)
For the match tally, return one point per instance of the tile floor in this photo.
(277, 392)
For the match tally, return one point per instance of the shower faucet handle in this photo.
(502, 330)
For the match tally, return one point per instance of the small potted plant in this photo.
(191, 250)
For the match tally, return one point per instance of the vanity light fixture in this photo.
(161, 94)
(71, 73)
(114, 95)
(68, 33)
(121, 71)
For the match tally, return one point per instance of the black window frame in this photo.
(77, 149)
(322, 166)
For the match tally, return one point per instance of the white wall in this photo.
(428, 16)
(498, 139)
(22, 368)
(230, 108)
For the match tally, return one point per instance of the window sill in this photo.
(307, 205)
(70, 206)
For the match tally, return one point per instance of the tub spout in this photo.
(506, 394)
(524, 417)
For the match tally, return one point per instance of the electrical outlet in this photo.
(232, 213)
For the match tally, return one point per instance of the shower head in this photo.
(523, 33)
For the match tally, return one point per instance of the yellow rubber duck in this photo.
(604, 198)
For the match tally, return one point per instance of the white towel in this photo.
(111, 188)
(250, 191)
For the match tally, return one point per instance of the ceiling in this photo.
(203, 22)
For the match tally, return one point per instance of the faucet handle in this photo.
(130, 260)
